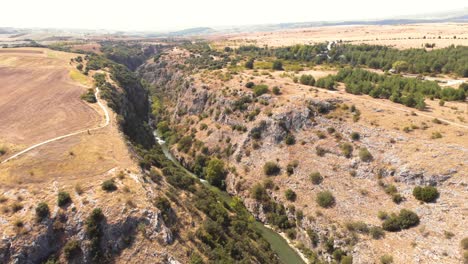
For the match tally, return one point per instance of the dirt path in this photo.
(67, 135)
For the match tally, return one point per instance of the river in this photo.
(279, 245)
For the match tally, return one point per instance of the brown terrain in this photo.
(398, 137)
(399, 36)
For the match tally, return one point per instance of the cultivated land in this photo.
(399, 36)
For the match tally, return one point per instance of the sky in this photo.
(156, 15)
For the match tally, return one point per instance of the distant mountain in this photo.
(193, 31)
(442, 17)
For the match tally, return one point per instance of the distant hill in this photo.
(443, 17)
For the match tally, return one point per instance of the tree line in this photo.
(408, 91)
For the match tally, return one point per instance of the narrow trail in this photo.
(67, 135)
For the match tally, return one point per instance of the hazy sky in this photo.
(179, 14)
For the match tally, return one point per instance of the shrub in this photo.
(316, 178)
(325, 199)
(386, 259)
(249, 64)
(365, 155)
(406, 219)
(184, 144)
(109, 185)
(376, 232)
(320, 151)
(347, 150)
(290, 139)
(16, 206)
(276, 90)
(397, 198)
(391, 224)
(358, 226)
(249, 85)
(355, 136)
(307, 79)
(464, 243)
(290, 195)
(260, 89)
(426, 194)
(271, 168)
(63, 198)
(436, 135)
(382, 215)
(347, 260)
(89, 96)
(42, 211)
(259, 193)
(71, 249)
(277, 65)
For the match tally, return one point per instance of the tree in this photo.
(215, 173)
(325, 199)
(400, 66)
(277, 65)
(290, 195)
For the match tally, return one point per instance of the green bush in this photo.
(365, 155)
(71, 249)
(406, 219)
(464, 243)
(376, 232)
(42, 211)
(316, 178)
(249, 64)
(290, 195)
(347, 150)
(276, 90)
(271, 168)
(184, 144)
(89, 96)
(216, 173)
(260, 89)
(325, 199)
(397, 198)
(347, 260)
(277, 65)
(63, 198)
(249, 85)
(426, 194)
(386, 259)
(355, 136)
(290, 139)
(259, 193)
(307, 79)
(109, 185)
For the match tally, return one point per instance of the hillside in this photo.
(320, 165)
(106, 194)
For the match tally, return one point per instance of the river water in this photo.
(279, 245)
